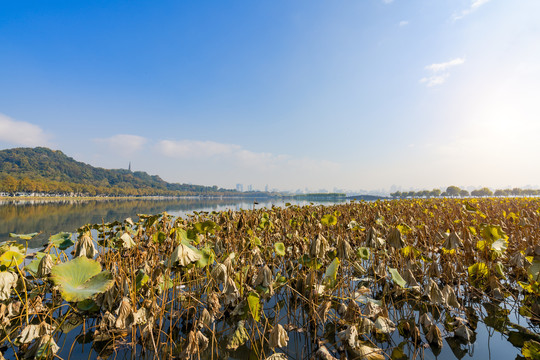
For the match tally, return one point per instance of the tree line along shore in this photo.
(454, 191)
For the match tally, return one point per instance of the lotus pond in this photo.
(405, 279)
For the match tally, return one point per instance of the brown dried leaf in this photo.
(344, 249)
(123, 311)
(349, 336)
(45, 265)
(85, 247)
(278, 337)
(323, 354)
(394, 239)
(453, 241)
(434, 336)
(368, 353)
(8, 280)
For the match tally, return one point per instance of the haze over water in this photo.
(51, 217)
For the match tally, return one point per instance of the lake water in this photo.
(53, 216)
(50, 217)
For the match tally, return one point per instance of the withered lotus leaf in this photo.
(394, 239)
(278, 337)
(239, 336)
(45, 265)
(8, 280)
(434, 336)
(85, 247)
(184, 255)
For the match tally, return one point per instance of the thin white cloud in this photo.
(22, 133)
(387, 1)
(123, 144)
(475, 5)
(434, 80)
(445, 65)
(206, 150)
(439, 72)
(237, 157)
(189, 149)
(403, 23)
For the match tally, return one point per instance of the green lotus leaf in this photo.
(531, 350)
(149, 219)
(397, 277)
(279, 248)
(81, 279)
(363, 253)
(206, 227)
(512, 216)
(309, 262)
(255, 241)
(187, 236)
(23, 236)
(165, 284)
(208, 257)
(410, 251)
(61, 240)
(404, 229)
(328, 220)
(499, 269)
(448, 252)
(254, 303)
(330, 276)
(469, 207)
(159, 237)
(141, 279)
(88, 305)
(478, 273)
(11, 254)
(481, 245)
(534, 270)
(491, 233)
(398, 353)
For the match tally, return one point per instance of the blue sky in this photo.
(350, 94)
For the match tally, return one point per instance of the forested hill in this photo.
(43, 170)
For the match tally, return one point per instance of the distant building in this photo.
(266, 188)
(250, 187)
(239, 187)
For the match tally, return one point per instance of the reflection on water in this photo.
(52, 216)
(67, 215)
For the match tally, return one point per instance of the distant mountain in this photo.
(51, 171)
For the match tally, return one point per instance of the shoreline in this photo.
(179, 197)
(15, 198)
(105, 198)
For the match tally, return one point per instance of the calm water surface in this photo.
(53, 216)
